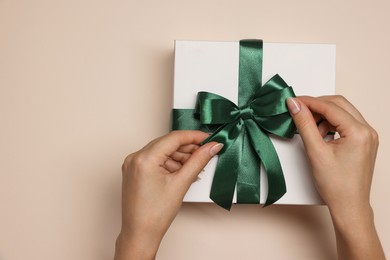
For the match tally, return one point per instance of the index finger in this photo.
(171, 142)
(343, 103)
(335, 115)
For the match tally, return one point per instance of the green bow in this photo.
(244, 130)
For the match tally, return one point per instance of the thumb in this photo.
(198, 160)
(304, 121)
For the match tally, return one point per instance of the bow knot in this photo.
(246, 112)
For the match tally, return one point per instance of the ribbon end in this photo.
(226, 205)
(271, 200)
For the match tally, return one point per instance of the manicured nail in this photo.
(215, 149)
(293, 105)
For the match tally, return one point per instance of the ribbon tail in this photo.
(248, 179)
(225, 176)
(266, 151)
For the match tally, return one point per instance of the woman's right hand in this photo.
(342, 169)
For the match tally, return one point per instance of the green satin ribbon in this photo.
(244, 129)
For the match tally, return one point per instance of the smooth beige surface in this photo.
(83, 83)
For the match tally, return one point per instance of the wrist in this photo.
(351, 213)
(353, 218)
(355, 232)
(131, 246)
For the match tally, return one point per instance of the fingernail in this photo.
(215, 149)
(293, 105)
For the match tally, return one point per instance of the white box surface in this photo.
(213, 67)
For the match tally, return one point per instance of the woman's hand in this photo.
(342, 169)
(155, 180)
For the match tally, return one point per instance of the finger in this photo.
(307, 127)
(171, 142)
(317, 117)
(172, 165)
(198, 160)
(189, 148)
(324, 128)
(343, 103)
(339, 118)
(180, 157)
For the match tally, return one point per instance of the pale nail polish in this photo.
(293, 105)
(215, 149)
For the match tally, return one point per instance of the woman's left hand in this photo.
(155, 180)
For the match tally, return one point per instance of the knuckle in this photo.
(340, 99)
(200, 160)
(198, 166)
(374, 136)
(302, 122)
(173, 135)
(174, 132)
(138, 160)
(127, 162)
(134, 162)
(128, 159)
(367, 136)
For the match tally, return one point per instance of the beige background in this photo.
(83, 83)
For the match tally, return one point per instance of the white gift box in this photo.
(213, 67)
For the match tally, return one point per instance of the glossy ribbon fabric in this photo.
(244, 129)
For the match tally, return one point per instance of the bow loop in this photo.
(214, 109)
